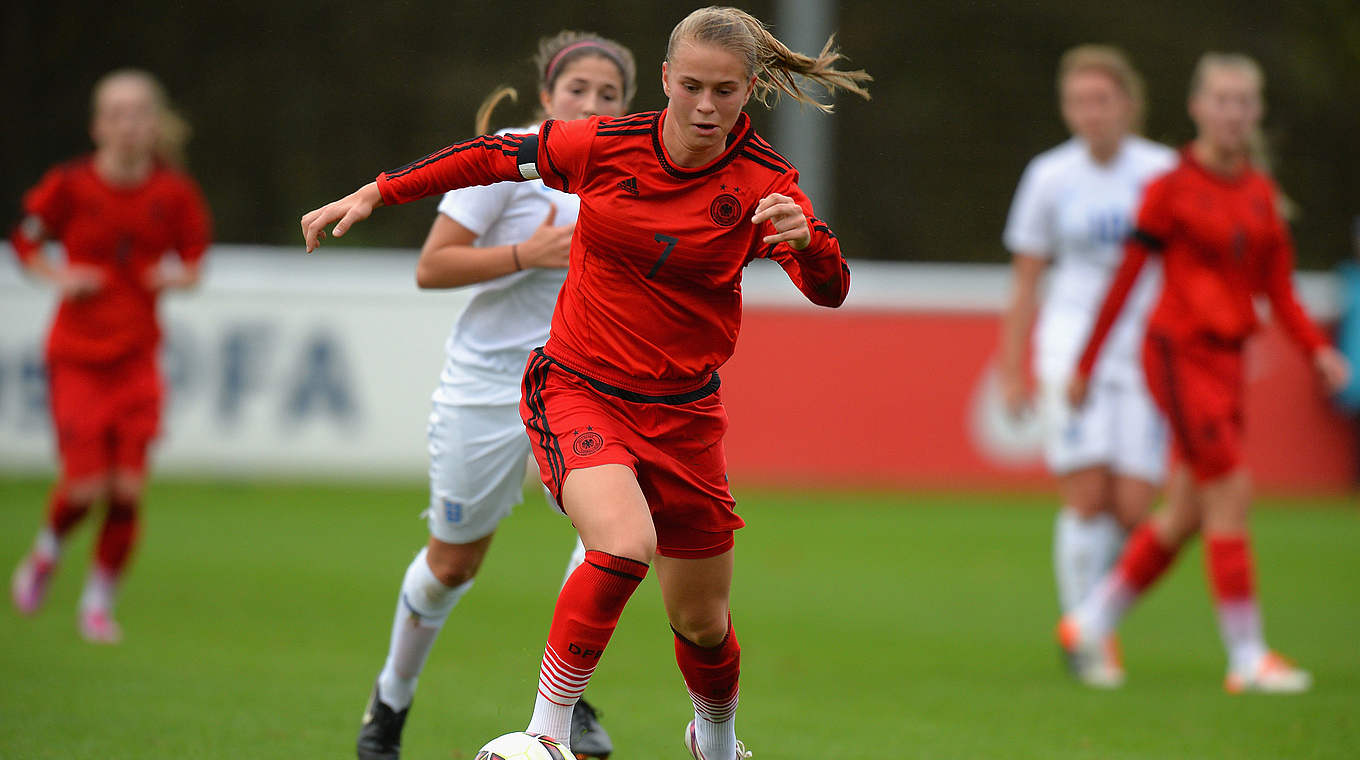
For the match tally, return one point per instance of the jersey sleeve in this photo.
(819, 270)
(558, 155)
(1029, 228)
(193, 225)
(49, 202)
(564, 152)
(1279, 288)
(1149, 237)
(477, 208)
(482, 160)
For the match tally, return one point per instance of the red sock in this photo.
(117, 536)
(588, 609)
(63, 514)
(1145, 559)
(711, 675)
(1230, 567)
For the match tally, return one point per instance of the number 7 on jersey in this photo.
(670, 246)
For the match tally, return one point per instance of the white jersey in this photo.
(509, 316)
(1078, 213)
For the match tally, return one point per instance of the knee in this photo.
(638, 544)
(1087, 493)
(454, 564)
(1176, 524)
(705, 627)
(1131, 508)
(88, 490)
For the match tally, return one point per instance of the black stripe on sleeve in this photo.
(764, 148)
(767, 164)
(543, 137)
(484, 143)
(1148, 240)
(623, 122)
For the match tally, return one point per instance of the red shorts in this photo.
(1199, 385)
(674, 445)
(105, 415)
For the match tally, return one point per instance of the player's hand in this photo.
(549, 247)
(787, 217)
(1015, 394)
(1077, 389)
(1333, 368)
(353, 208)
(78, 281)
(165, 277)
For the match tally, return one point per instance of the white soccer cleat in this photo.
(29, 584)
(1273, 674)
(692, 744)
(1097, 664)
(99, 627)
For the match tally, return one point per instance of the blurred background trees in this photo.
(294, 103)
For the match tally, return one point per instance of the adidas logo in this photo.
(629, 186)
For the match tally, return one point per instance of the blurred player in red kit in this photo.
(116, 212)
(1215, 223)
(622, 403)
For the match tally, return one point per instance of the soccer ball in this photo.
(523, 746)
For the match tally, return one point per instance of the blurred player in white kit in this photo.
(1073, 209)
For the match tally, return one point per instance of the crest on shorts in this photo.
(725, 210)
(587, 443)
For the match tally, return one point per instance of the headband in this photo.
(604, 50)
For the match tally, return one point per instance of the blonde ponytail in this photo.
(554, 54)
(482, 125)
(775, 66)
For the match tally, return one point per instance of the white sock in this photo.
(101, 587)
(422, 608)
(47, 545)
(715, 727)
(1099, 614)
(1239, 622)
(1083, 549)
(552, 719)
(1112, 540)
(578, 556)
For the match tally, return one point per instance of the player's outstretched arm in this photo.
(353, 208)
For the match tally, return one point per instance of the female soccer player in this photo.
(116, 212)
(621, 403)
(511, 240)
(1074, 207)
(1215, 223)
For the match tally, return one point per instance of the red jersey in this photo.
(652, 301)
(124, 232)
(1222, 242)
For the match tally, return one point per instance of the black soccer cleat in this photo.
(588, 737)
(380, 733)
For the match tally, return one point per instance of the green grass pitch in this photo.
(873, 626)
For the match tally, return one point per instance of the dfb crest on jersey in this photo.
(725, 210)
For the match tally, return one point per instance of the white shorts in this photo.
(1119, 427)
(478, 456)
